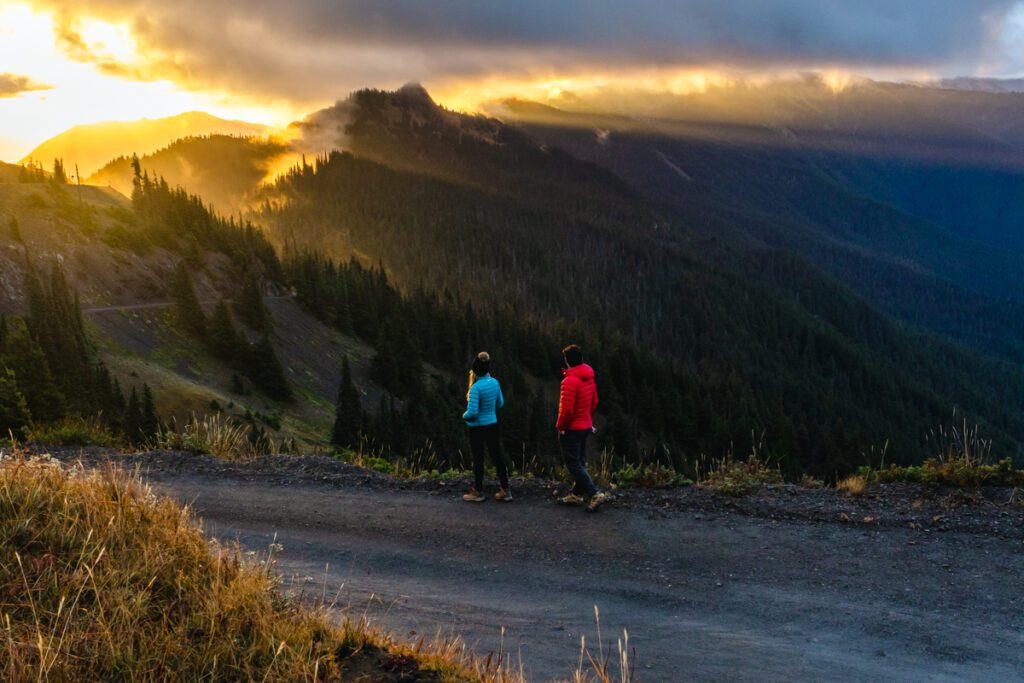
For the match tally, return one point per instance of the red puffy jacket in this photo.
(578, 401)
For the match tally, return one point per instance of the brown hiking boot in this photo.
(571, 499)
(595, 501)
(474, 496)
(503, 495)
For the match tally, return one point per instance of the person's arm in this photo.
(499, 402)
(566, 404)
(473, 405)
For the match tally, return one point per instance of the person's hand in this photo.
(561, 432)
(593, 430)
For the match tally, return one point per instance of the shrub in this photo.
(651, 476)
(739, 477)
(72, 431)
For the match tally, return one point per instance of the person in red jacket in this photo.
(576, 406)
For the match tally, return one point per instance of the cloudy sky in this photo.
(68, 62)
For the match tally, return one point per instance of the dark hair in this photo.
(573, 355)
(482, 364)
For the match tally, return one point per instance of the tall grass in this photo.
(219, 436)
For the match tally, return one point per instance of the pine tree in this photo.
(250, 306)
(189, 311)
(223, 338)
(14, 413)
(133, 418)
(265, 370)
(59, 174)
(148, 422)
(45, 400)
(348, 412)
(237, 386)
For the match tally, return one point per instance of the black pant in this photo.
(574, 452)
(487, 436)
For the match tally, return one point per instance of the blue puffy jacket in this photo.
(485, 400)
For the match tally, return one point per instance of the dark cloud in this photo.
(12, 85)
(306, 48)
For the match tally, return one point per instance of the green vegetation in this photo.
(73, 431)
(707, 343)
(56, 387)
(222, 436)
(348, 412)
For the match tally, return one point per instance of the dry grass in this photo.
(219, 436)
(856, 485)
(102, 580)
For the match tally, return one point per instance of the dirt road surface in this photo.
(706, 594)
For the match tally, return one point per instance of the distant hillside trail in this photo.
(163, 304)
(705, 595)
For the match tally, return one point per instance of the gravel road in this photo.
(759, 589)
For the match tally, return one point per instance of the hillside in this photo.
(120, 269)
(223, 169)
(809, 202)
(761, 340)
(93, 145)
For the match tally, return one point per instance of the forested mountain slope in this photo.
(800, 200)
(755, 338)
(222, 169)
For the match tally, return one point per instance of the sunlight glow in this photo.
(476, 95)
(83, 90)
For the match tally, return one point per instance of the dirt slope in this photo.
(709, 589)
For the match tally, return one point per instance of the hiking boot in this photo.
(503, 495)
(474, 496)
(571, 499)
(595, 501)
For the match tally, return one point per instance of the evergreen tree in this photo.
(265, 370)
(148, 422)
(133, 418)
(23, 355)
(237, 386)
(189, 311)
(14, 229)
(14, 413)
(223, 338)
(59, 174)
(348, 412)
(250, 306)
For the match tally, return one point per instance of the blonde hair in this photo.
(484, 357)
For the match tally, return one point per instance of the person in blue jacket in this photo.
(484, 400)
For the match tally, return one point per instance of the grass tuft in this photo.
(220, 436)
(856, 485)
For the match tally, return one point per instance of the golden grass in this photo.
(856, 485)
(100, 579)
